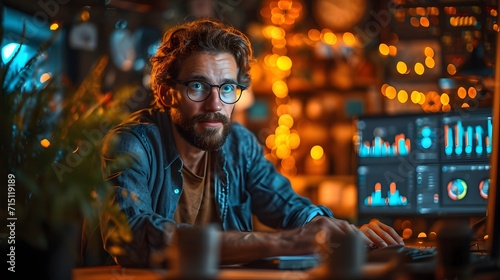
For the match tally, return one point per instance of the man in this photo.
(191, 166)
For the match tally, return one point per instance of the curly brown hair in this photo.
(201, 35)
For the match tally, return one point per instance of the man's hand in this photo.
(380, 234)
(375, 233)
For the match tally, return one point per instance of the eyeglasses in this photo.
(199, 91)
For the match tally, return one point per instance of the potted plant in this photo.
(50, 143)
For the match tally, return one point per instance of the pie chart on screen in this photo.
(457, 189)
(484, 186)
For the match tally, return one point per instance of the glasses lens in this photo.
(229, 93)
(198, 90)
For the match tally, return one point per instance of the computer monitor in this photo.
(426, 165)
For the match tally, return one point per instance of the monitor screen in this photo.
(424, 164)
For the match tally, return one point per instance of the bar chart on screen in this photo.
(393, 198)
(379, 147)
(467, 137)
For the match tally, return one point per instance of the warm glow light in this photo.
(429, 52)
(422, 98)
(453, 21)
(284, 109)
(282, 130)
(415, 97)
(270, 140)
(406, 224)
(472, 92)
(419, 68)
(285, 120)
(85, 15)
(297, 40)
(293, 140)
(451, 69)
(267, 31)
(402, 96)
(424, 22)
(280, 89)
(314, 34)
(383, 88)
(284, 63)
(414, 22)
(288, 163)
(45, 143)
(445, 99)
(390, 92)
(314, 109)
(276, 18)
(330, 38)
(393, 51)
(450, 10)
(277, 33)
(383, 49)
(54, 26)
(407, 233)
(422, 235)
(281, 139)
(278, 43)
(401, 67)
(317, 152)
(421, 11)
(349, 38)
(446, 108)
(283, 151)
(473, 21)
(461, 92)
(285, 5)
(430, 62)
(44, 77)
(270, 60)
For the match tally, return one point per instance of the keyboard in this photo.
(303, 262)
(403, 253)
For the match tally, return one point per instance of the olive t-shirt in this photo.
(196, 204)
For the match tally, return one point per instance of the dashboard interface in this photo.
(424, 164)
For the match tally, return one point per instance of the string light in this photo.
(281, 16)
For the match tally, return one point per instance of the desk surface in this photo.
(372, 271)
(369, 271)
(116, 272)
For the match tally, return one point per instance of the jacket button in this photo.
(176, 191)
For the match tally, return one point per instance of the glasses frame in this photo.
(187, 82)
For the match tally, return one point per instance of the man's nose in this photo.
(213, 103)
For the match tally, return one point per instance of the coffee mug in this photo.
(196, 252)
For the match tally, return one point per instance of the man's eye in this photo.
(228, 87)
(196, 85)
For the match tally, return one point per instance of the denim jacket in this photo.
(149, 188)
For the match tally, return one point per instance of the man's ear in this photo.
(166, 97)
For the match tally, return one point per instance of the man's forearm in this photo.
(241, 247)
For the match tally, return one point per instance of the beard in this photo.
(210, 139)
